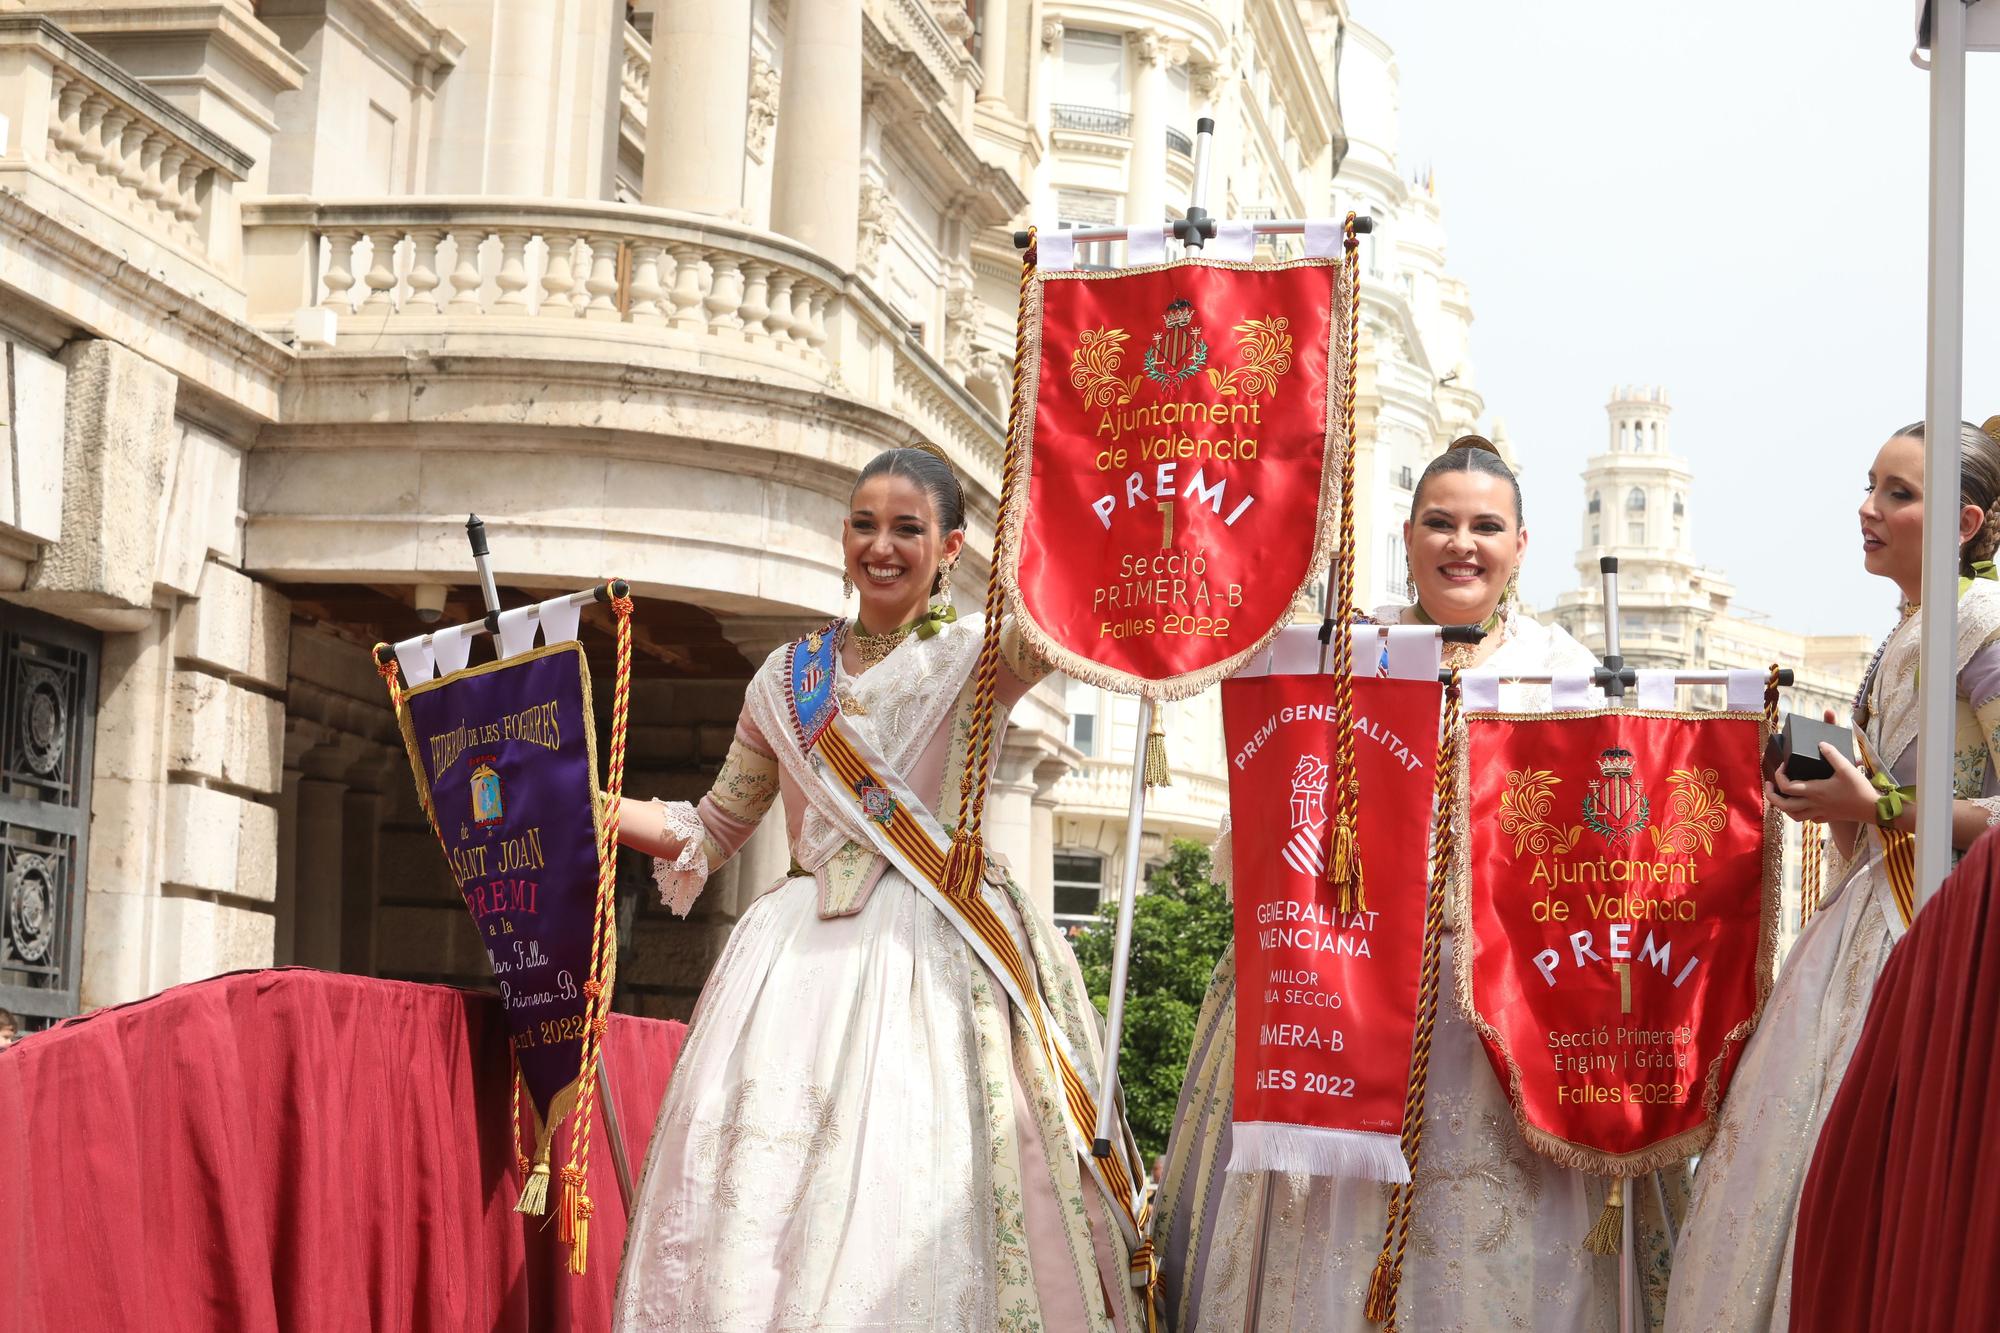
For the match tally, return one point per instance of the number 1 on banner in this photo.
(1624, 987)
(1166, 525)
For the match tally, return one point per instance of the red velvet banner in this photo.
(1622, 912)
(1181, 460)
(1326, 1001)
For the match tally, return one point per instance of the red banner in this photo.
(1326, 1001)
(1180, 441)
(1621, 905)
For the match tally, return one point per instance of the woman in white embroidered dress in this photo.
(1733, 1267)
(1497, 1238)
(861, 1133)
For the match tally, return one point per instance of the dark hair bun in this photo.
(926, 466)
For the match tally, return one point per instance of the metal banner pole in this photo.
(1190, 234)
(1937, 681)
(475, 535)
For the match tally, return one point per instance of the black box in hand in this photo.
(1795, 748)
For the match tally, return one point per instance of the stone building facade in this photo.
(287, 288)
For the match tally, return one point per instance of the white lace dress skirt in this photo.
(1733, 1267)
(1496, 1242)
(840, 1148)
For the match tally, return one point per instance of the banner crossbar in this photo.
(490, 622)
(1183, 229)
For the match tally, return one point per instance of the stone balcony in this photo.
(93, 150)
(623, 284)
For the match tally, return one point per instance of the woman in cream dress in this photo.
(1733, 1267)
(1497, 1238)
(862, 1132)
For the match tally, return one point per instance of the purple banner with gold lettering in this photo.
(506, 762)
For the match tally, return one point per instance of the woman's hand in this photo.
(1848, 796)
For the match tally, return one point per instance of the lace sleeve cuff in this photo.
(681, 879)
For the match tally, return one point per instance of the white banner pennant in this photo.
(559, 618)
(418, 661)
(1415, 651)
(1145, 245)
(1055, 249)
(1479, 691)
(517, 631)
(1323, 237)
(1233, 240)
(454, 647)
(1656, 691)
(1570, 691)
(1746, 690)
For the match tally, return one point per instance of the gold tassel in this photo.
(1343, 868)
(1377, 1308)
(1157, 772)
(963, 866)
(579, 1246)
(535, 1190)
(1608, 1236)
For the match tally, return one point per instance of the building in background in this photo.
(288, 288)
(1304, 103)
(1673, 611)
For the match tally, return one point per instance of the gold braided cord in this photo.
(573, 1221)
(963, 866)
(1343, 865)
(1812, 869)
(1387, 1278)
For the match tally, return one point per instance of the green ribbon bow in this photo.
(1981, 569)
(1889, 806)
(934, 619)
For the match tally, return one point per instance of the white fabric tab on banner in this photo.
(559, 617)
(1656, 691)
(1570, 691)
(1145, 245)
(1295, 652)
(1233, 240)
(454, 647)
(1323, 237)
(1746, 690)
(1414, 652)
(418, 661)
(1479, 691)
(1365, 650)
(1055, 249)
(517, 631)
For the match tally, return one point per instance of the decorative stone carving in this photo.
(963, 312)
(763, 104)
(1205, 79)
(877, 219)
(1149, 46)
(1052, 31)
(951, 16)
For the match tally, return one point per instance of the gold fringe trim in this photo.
(1157, 772)
(1608, 1236)
(1561, 1151)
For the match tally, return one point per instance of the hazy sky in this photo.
(1725, 197)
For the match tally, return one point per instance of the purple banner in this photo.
(507, 761)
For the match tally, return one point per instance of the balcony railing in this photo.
(85, 126)
(1177, 142)
(1091, 119)
(611, 281)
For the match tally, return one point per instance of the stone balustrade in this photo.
(490, 262)
(615, 282)
(82, 123)
(635, 83)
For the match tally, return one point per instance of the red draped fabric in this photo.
(294, 1150)
(1898, 1227)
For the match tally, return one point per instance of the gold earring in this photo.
(1410, 585)
(846, 586)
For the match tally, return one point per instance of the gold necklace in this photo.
(1457, 656)
(872, 648)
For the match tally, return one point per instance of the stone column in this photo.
(816, 181)
(697, 105)
(1010, 814)
(1040, 879)
(1147, 183)
(993, 39)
